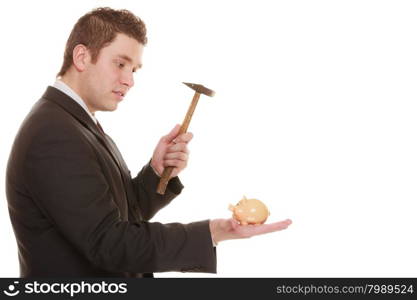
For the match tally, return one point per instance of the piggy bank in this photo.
(250, 211)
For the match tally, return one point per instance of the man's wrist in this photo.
(213, 233)
(154, 169)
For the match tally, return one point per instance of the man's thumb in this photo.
(173, 134)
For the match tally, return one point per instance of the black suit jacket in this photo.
(76, 210)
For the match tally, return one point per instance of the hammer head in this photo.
(200, 89)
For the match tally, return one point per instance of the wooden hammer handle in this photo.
(166, 175)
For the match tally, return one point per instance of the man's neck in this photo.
(72, 83)
(69, 91)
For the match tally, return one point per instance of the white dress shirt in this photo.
(60, 85)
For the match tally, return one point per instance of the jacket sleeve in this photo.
(68, 186)
(145, 185)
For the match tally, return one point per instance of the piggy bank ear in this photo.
(231, 207)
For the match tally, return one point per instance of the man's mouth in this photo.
(120, 94)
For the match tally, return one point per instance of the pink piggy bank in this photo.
(250, 211)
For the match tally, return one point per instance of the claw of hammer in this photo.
(198, 88)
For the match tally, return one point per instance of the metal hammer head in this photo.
(200, 89)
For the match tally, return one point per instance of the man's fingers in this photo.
(228, 229)
(176, 155)
(180, 147)
(265, 228)
(183, 138)
(252, 230)
(172, 135)
(175, 163)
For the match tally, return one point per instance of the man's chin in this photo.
(111, 107)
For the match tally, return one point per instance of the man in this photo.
(75, 209)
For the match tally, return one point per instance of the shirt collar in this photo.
(60, 85)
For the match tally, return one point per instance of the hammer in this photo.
(199, 89)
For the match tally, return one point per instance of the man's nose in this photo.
(127, 79)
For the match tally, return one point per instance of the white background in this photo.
(315, 114)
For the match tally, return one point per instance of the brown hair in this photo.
(98, 28)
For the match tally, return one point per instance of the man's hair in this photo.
(98, 28)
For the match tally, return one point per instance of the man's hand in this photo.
(172, 151)
(227, 229)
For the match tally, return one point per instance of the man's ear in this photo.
(80, 57)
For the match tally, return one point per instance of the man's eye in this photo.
(120, 64)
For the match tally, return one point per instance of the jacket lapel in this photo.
(72, 107)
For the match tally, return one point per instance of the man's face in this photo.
(105, 83)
